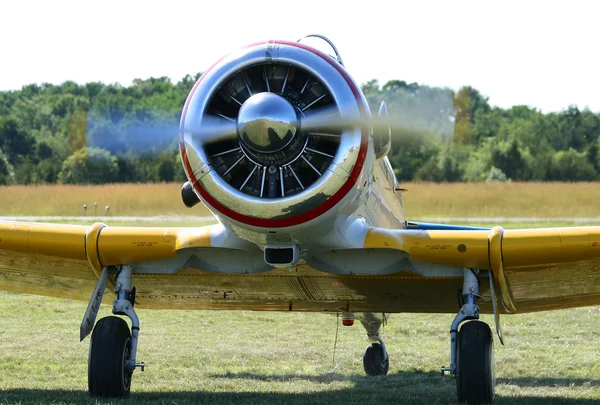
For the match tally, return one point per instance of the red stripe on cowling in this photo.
(296, 219)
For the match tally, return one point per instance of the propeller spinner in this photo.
(267, 122)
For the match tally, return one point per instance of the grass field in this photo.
(123, 199)
(286, 358)
(545, 200)
(271, 358)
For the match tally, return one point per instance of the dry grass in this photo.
(548, 200)
(123, 199)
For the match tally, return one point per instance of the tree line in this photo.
(98, 133)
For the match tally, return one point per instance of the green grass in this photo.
(263, 358)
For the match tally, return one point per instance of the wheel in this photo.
(110, 346)
(475, 380)
(375, 360)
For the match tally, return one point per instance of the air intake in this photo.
(281, 256)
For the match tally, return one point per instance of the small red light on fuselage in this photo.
(347, 322)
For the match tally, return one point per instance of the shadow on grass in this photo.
(549, 382)
(406, 387)
(408, 377)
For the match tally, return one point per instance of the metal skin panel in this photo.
(535, 269)
(132, 245)
(304, 289)
(530, 247)
(440, 247)
(42, 239)
(45, 259)
(552, 268)
(46, 275)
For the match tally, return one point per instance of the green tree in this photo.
(370, 87)
(6, 170)
(571, 165)
(446, 135)
(89, 166)
(15, 141)
(166, 168)
(508, 159)
(467, 102)
(593, 154)
(77, 130)
(47, 170)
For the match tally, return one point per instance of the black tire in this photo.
(109, 349)
(375, 361)
(475, 380)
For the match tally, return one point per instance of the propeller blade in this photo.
(137, 138)
(329, 119)
(154, 137)
(213, 129)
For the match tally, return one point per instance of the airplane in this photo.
(278, 142)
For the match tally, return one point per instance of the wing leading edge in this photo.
(66, 260)
(533, 269)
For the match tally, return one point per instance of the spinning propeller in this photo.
(272, 128)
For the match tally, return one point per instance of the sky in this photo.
(538, 53)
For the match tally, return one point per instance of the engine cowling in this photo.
(243, 144)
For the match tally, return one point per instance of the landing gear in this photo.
(375, 360)
(471, 348)
(475, 379)
(110, 348)
(113, 348)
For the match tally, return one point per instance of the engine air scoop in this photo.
(267, 122)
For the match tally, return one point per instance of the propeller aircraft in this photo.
(278, 142)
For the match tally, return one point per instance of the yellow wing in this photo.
(533, 269)
(66, 260)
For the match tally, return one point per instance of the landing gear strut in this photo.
(112, 356)
(471, 348)
(375, 360)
